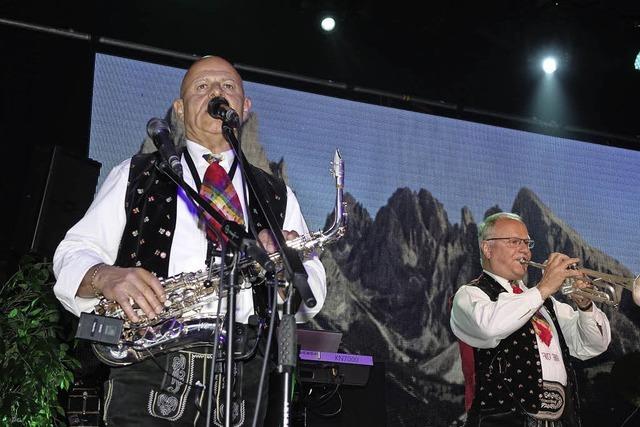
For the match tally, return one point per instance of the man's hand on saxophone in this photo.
(125, 286)
(268, 242)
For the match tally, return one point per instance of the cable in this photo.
(265, 361)
(332, 414)
(180, 380)
(218, 393)
(216, 337)
(198, 396)
(324, 400)
(630, 416)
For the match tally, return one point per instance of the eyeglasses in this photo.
(514, 242)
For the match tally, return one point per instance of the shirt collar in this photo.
(503, 282)
(197, 151)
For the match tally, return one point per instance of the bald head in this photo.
(208, 78)
(209, 64)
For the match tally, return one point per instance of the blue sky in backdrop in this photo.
(593, 188)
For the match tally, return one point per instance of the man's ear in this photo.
(178, 107)
(246, 107)
(485, 248)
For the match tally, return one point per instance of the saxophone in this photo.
(181, 325)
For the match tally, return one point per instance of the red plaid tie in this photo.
(218, 190)
(540, 324)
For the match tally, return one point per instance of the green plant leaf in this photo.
(35, 362)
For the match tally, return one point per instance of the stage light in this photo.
(328, 23)
(636, 64)
(549, 65)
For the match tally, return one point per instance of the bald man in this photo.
(141, 227)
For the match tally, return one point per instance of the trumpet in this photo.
(605, 288)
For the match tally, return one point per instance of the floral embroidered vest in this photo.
(150, 204)
(509, 376)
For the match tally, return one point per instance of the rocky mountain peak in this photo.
(553, 234)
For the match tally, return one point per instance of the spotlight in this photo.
(328, 23)
(549, 65)
(636, 64)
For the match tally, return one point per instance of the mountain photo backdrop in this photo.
(417, 187)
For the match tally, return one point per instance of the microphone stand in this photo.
(237, 242)
(295, 274)
(231, 319)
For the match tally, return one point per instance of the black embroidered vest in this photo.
(150, 205)
(509, 376)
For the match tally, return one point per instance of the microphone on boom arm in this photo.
(160, 132)
(219, 108)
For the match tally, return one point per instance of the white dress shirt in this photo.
(482, 323)
(96, 238)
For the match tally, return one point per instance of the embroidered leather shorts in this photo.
(170, 391)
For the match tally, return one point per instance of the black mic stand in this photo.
(294, 273)
(237, 242)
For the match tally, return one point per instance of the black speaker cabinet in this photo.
(58, 190)
(355, 405)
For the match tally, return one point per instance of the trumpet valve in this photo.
(568, 286)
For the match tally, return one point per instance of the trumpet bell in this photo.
(596, 291)
(605, 288)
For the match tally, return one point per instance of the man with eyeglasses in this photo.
(515, 341)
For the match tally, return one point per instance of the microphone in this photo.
(218, 108)
(160, 132)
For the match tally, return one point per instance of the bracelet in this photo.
(92, 283)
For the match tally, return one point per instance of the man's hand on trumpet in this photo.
(557, 270)
(583, 303)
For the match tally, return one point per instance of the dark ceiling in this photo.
(480, 56)
(475, 60)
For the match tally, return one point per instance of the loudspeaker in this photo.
(59, 189)
(355, 405)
